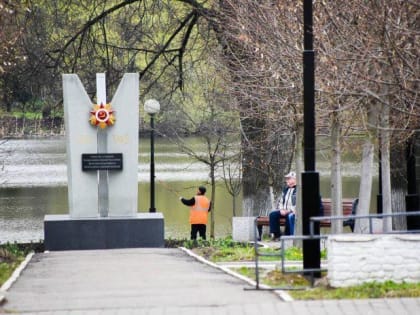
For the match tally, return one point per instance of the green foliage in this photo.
(138, 36)
(6, 270)
(275, 278)
(11, 255)
(224, 249)
(115, 41)
(27, 115)
(221, 243)
(218, 250)
(11, 251)
(296, 253)
(388, 289)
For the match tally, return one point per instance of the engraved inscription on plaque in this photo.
(102, 161)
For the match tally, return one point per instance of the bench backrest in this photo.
(347, 206)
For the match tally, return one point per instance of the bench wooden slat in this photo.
(347, 209)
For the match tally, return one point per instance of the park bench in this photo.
(348, 209)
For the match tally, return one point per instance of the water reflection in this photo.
(34, 162)
(33, 183)
(22, 209)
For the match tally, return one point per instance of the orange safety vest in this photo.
(198, 212)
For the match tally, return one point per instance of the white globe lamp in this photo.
(151, 106)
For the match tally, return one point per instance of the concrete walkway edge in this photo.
(15, 275)
(283, 295)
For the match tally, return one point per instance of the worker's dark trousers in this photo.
(200, 228)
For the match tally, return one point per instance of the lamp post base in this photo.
(310, 208)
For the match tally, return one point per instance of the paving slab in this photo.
(158, 281)
(130, 279)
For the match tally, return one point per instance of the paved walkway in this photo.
(158, 281)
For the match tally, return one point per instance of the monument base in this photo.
(61, 232)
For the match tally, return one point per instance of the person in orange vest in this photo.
(200, 206)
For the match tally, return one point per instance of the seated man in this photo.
(285, 208)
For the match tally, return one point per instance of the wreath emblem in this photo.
(102, 115)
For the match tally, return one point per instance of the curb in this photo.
(15, 275)
(284, 296)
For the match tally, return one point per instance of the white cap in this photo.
(290, 174)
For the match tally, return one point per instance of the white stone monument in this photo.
(83, 137)
(102, 162)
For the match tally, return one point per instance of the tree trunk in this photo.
(386, 169)
(267, 148)
(213, 198)
(336, 186)
(267, 156)
(299, 170)
(256, 195)
(365, 192)
(398, 163)
(272, 197)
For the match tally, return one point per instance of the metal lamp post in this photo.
(152, 107)
(310, 178)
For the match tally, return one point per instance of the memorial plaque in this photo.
(102, 161)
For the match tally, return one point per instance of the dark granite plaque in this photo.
(102, 161)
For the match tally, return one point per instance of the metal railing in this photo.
(313, 236)
(370, 217)
(260, 254)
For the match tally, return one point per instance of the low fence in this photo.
(357, 258)
(354, 259)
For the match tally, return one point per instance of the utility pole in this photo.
(310, 178)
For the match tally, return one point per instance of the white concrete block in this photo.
(377, 226)
(243, 229)
(373, 258)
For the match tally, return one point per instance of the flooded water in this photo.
(33, 183)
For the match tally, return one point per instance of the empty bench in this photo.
(349, 208)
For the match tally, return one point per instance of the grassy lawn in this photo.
(225, 250)
(10, 258)
(322, 291)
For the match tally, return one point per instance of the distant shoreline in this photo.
(44, 128)
(18, 128)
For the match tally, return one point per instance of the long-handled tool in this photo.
(169, 188)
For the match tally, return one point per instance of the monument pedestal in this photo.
(61, 232)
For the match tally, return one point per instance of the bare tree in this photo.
(11, 52)
(367, 64)
(212, 121)
(232, 177)
(375, 48)
(261, 52)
